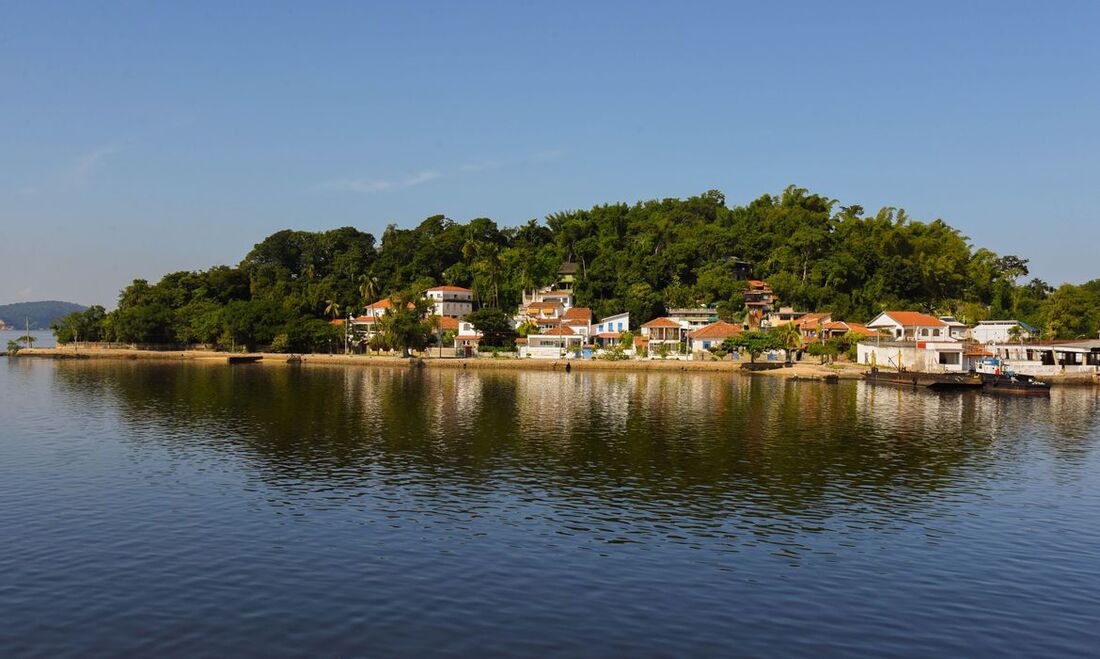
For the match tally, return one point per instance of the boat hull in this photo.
(1002, 385)
(918, 380)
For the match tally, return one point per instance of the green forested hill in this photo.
(40, 314)
(817, 253)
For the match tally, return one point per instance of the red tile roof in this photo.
(446, 323)
(717, 330)
(558, 331)
(609, 335)
(662, 322)
(578, 313)
(451, 289)
(914, 319)
(812, 319)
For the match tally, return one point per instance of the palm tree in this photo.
(368, 287)
(790, 337)
(333, 309)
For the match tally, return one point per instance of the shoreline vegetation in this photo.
(802, 371)
(293, 288)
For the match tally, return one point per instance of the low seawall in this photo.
(802, 371)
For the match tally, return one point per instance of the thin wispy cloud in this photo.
(83, 166)
(374, 185)
(369, 185)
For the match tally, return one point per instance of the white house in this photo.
(942, 355)
(665, 334)
(619, 322)
(1001, 331)
(551, 344)
(452, 301)
(466, 339)
(955, 329)
(911, 326)
(713, 335)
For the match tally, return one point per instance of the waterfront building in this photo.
(713, 335)
(450, 301)
(665, 333)
(467, 339)
(1050, 357)
(608, 332)
(619, 322)
(911, 326)
(1002, 331)
(550, 344)
(941, 356)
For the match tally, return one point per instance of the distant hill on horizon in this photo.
(38, 314)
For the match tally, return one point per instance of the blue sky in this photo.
(141, 138)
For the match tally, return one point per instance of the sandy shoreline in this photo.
(801, 370)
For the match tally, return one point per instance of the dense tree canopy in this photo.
(643, 258)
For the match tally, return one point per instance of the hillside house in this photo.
(451, 301)
(911, 326)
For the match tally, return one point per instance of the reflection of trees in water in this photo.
(708, 444)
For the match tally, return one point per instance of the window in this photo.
(935, 332)
(950, 358)
(924, 332)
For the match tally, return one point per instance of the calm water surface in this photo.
(187, 510)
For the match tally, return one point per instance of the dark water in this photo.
(187, 510)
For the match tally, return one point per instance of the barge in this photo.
(917, 379)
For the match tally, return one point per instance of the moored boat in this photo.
(997, 378)
(920, 379)
(1015, 384)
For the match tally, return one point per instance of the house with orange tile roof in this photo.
(911, 326)
(467, 339)
(713, 335)
(554, 343)
(665, 334)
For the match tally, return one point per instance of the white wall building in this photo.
(1050, 359)
(619, 322)
(451, 301)
(911, 326)
(551, 344)
(942, 356)
(1001, 331)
